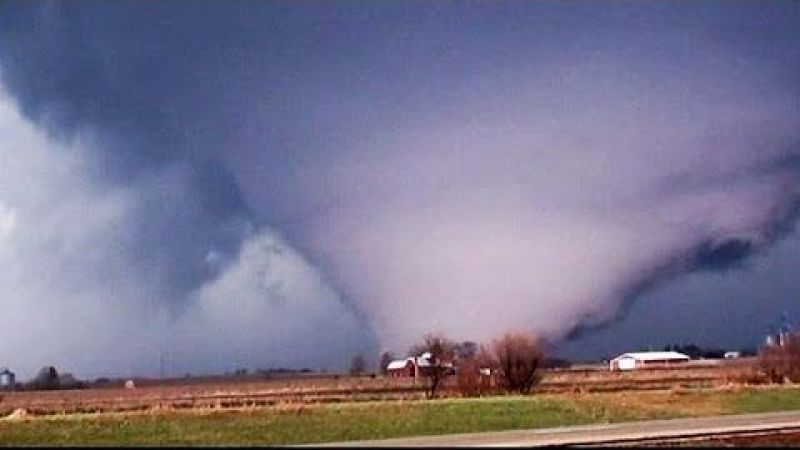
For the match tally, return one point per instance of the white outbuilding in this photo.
(647, 360)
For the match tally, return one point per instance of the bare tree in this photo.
(46, 379)
(358, 365)
(440, 364)
(467, 350)
(469, 379)
(385, 359)
(781, 362)
(515, 359)
(473, 373)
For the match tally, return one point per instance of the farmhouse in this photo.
(647, 360)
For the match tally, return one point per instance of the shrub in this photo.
(516, 359)
(473, 377)
(782, 362)
(468, 377)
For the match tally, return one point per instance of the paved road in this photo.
(606, 433)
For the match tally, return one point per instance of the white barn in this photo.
(647, 360)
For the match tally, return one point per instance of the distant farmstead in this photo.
(413, 366)
(647, 360)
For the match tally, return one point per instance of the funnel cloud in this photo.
(285, 184)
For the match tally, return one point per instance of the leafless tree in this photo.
(474, 370)
(357, 365)
(516, 359)
(46, 379)
(469, 379)
(781, 362)
(441, 363)
(467, 350)
(385, 359)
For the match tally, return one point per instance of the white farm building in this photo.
(647, 360)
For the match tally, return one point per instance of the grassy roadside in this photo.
(326, 423)
(766, 400)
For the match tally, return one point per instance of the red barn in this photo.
(401, 368)
(414, 366)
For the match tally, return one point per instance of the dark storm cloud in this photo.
(463, 167)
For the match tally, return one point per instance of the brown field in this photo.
(255, 391)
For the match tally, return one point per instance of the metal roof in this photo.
(420, 361)
(652, 356)
(397, 364)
